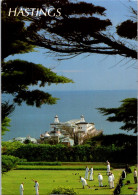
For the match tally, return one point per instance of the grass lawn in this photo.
(50, 179)
(125, 189)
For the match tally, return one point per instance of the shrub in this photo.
(119, 140)
(64, 190)
(9, 162)
(80, 153)
(9, 148)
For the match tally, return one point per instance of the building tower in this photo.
(56, 120)
(82, 118)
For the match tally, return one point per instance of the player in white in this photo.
(110, 180)
(108, 167)
(86, 172)
(21, 188)
(113, 177)
(84, 182)
(91, 173)
(36, 187)
(100, 179)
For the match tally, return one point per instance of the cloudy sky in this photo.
(93, 71)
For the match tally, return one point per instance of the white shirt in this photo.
(110, 178)
(135, 173)
(91, 170)
(36, 185)
(87, 170)
(100, 177)
(113, 176)
(84, 182)
(21, 187)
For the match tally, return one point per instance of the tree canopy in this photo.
(126, 113)
(7, 109)
(19, 76)
(81, 28)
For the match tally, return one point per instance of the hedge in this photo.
(40, 163)
(80, 153)
(55, 168)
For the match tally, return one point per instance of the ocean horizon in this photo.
(31, 121)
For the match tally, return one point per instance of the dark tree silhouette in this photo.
(19, 75)
(126, 113)
(81, 28)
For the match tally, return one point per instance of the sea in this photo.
(31, 121)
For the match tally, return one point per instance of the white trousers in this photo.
(91, 176)
(100, 183)
(86, 175)
(21, 192)
(110, 184)
(37, 191)
(113, 184)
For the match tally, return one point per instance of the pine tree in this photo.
(126, 113)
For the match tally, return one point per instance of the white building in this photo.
(62, 130)
(23, 139)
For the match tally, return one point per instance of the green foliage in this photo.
(5, 123)
(64, 190)
(126, 113)
(7, 109)
(27, 141)
(9, 148)
(15, 37)
(42, 152)
(20, 70)
(40, 163)
(9, 162)
(119, 140)
(81, 28)
(19, 75)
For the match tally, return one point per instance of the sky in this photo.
(92, 71)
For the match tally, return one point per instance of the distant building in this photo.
(23, 139)
(63, 132)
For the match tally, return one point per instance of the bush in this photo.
(9, 148)
(64, 190)
(119, 140)
(80, 153)
(9, 162)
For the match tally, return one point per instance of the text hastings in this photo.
(52, 12)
